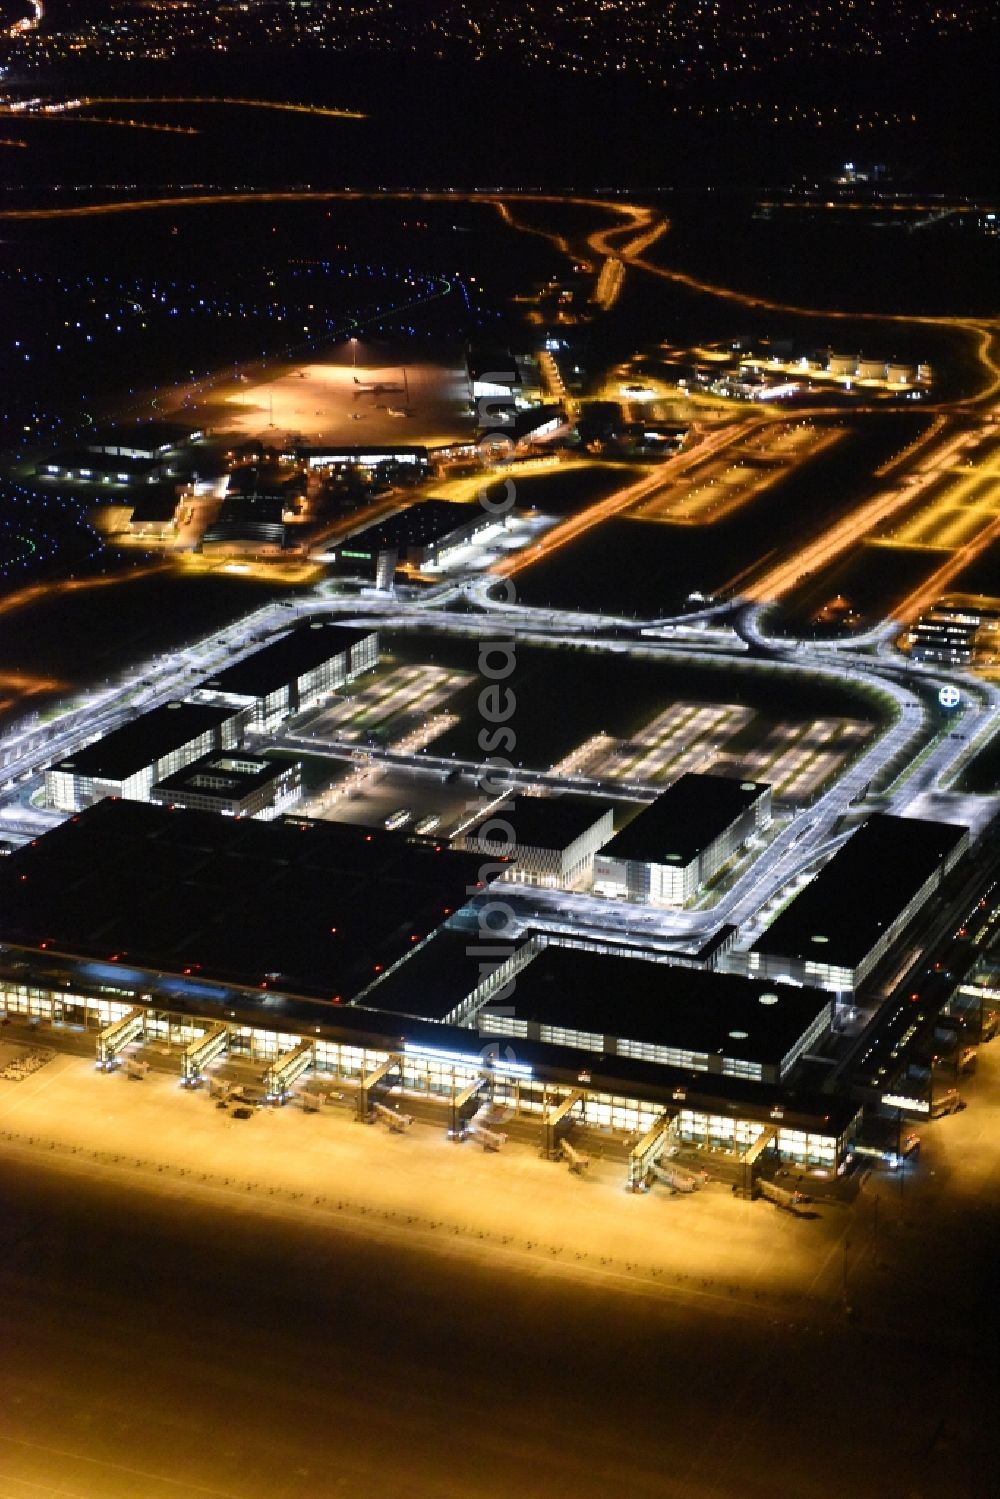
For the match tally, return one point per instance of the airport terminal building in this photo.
(651, 1012)
(289, 944)
(678, 842)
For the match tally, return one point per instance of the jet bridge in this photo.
(748, 1160)
(379, 1081)
(461, 1100)
(553, 1118)
(116, 1036)
(290, 1065)
(648, 1150)
(202, 1050)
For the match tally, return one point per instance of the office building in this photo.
(678, 842)
(839, 927)
(293, 672)
(128, 762)
(234, 784)
(547, 840)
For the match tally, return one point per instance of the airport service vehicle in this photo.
(398, 819)
(951, 1102)
(427, 824)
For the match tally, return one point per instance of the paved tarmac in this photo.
(165, 1335)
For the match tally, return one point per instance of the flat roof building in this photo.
(154, 513)
(86, 467)
(840, 926)
(549, 840)
(293, 672)
(128, 762)
(679, 841)
(492, 371)
(418, 537)
(205, 927)
(144, 440)
(301, 907)
(233, 784)
(505, 428)
(651, 1012)
(371, 456)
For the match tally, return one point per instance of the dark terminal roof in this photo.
(682, 822)
(439, 976)
(543, 821)
(841, 914)
(420, 525)
(143, 741)
(276, 665)
(691, 1009)
(310, 908)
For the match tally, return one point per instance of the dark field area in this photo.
(562, 492)
(861, 261)
(983, 773)
(874, 579)
(649, 569)
(95, 634)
